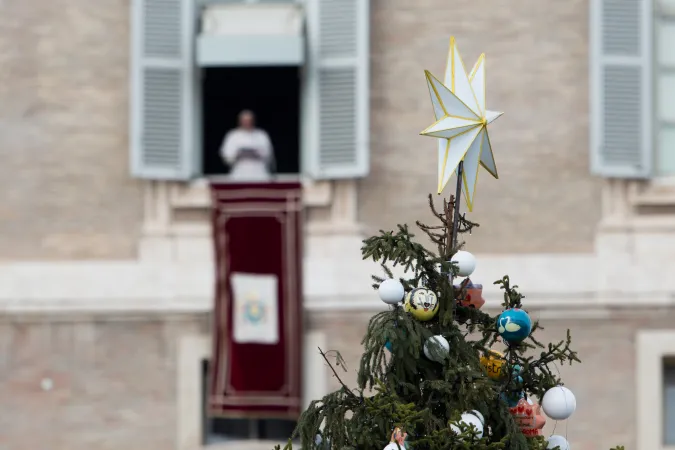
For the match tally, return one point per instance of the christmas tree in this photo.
(430, 377)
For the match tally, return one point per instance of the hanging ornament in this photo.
(492, 361)
(391, 291)
(388, 344)
(465, 262)
(516, 370)
(397, 441)
(477, 413)
(514, 325)
(512, 398)
(473, 298)
(436, 348)
(557, 441)
(528, 417)
(422, 303)
(469, 420)
(559, 403)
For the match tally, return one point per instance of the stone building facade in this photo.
(106, 279)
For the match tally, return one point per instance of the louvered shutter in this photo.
(621, 88)
(162, 127)
(336, 107)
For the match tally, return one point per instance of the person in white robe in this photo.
(248, 151)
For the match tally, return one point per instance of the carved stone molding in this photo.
(177, 220)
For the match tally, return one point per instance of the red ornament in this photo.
(529, 418)
(473, 296)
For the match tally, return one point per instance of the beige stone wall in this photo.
(114, 382)
(64, 177)
(537, 72)
(604, 384)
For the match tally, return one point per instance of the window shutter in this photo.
(162, 84)
(621, 88)
(336, 107)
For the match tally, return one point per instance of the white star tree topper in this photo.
(461, 122)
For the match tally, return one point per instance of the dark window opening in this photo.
(221, 429)
(669, 401)
(272, 93)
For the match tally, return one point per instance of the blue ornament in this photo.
(514, 325)
(512, 398)
(519, 379)
(388, 346)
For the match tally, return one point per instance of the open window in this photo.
(196, 65)
(271, 93)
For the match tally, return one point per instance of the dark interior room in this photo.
(272, 93)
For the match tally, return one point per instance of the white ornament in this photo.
(465, 261)
(469, 419)
(391, 291)
(559, 403)
(479, 415)
(436, 348)
(557, 441)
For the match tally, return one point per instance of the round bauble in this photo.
(437, 348)
(479, 415)
(422, 303)
(559, 403)
(557, 441)
(514, 325)
(469, 420)
(391, 291)
(493, 361)
(465, 261)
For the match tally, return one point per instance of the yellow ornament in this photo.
(422, 303)
(493, 362)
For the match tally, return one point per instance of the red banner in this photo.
(258, 322)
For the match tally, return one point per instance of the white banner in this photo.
(255, 308)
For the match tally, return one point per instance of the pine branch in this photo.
(340, 362)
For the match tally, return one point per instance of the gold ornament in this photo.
(493, 362)
(422, 303)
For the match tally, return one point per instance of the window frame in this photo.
(660, 16)
(193, 349)
(652, 347)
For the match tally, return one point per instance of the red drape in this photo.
(257, 229)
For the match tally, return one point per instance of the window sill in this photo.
(658, 192)
(644, 224)
(195, 195)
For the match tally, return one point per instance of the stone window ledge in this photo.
(196, 194)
